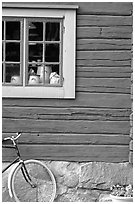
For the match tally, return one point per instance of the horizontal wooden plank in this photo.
(96, 58)
(91, 139)
(104, 44)
(104, 85)
(104, 58)
(117, 32)
(103, 62)
(46, 113)
(121, 32)
(108, 8)
(92, 100)
(105, 153)
(103, 72)
(65, 126)
(104, 55)
(98, 20)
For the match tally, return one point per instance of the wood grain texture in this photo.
(105, 8)
(104, 55)
(103, 44)
(98, 20)
(103, 72)
(100, 58)
(103, 63)
(71, 152)
(104, 85)
(53, 113)
(69, 139)
(121, 32)
(92, 100)
(64, 126)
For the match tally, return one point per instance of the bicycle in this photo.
(29, 180)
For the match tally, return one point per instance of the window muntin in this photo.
(43, 49)
(12, 40)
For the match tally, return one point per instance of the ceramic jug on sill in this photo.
(46, 74)
(34, 79)
(15, 80)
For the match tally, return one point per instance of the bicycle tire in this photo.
(41, 175)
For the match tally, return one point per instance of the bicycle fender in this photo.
(10, 179)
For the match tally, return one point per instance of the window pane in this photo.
(35, 31)
(13, 52)
(52, 31)
(12, 30)
(2, 30)
(52, 53)
(35, 52)
(2, 51)
(13, 73)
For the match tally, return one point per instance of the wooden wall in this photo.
(95, 125)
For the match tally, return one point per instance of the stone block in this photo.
(105, 198)
(71, 179)
(102, 175)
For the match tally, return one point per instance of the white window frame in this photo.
(68, 13)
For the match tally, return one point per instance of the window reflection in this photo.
(12, 30)
(52, 31)
(35, 31)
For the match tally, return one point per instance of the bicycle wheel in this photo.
(41, 176)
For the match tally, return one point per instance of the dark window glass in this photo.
(2, 51)
(35, 52)
(52, 31)
(12, 30)
(13, 52)
(35, 31)
(52, 53)
(2, 30)
(12, 73)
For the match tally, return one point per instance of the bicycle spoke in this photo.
(44, 189)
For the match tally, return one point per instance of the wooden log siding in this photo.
(95, 126)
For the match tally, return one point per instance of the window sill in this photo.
(33, 92)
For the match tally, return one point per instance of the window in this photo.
(38, 52)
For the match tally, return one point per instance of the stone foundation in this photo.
(85, 182)
(88, 182)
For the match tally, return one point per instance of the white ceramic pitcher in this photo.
(47, 73)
